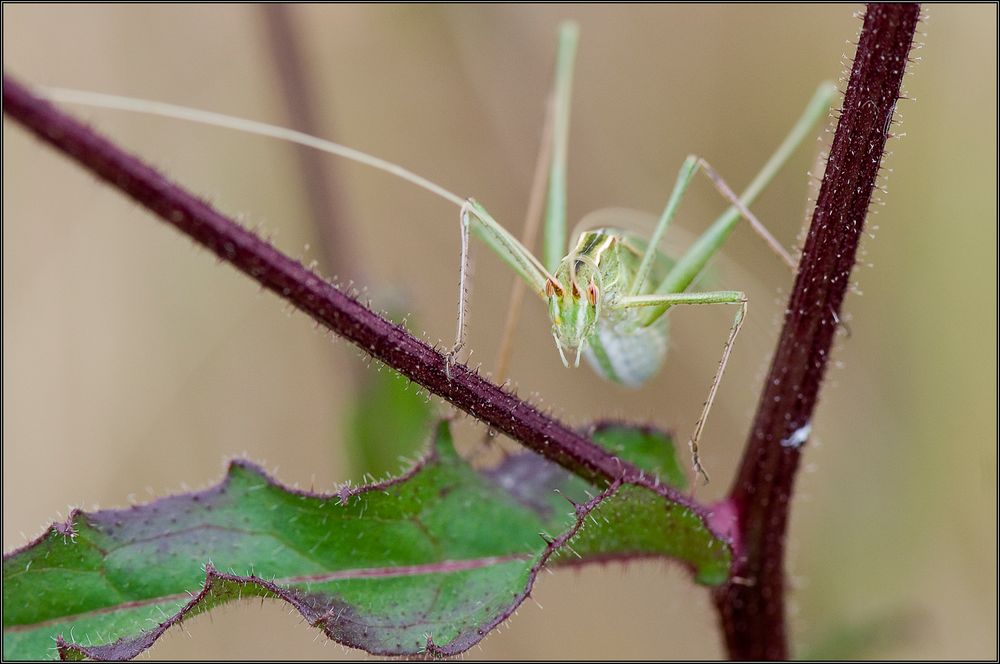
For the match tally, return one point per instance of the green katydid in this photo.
(602, 297)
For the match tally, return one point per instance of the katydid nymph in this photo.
(607, 295)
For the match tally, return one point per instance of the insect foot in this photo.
(696, 463)
(450, 359)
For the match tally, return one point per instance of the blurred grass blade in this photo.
(388, 422)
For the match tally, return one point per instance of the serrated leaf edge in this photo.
(137, 645)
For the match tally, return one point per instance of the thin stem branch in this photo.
(751, 605)
(318, 174)
(529, 233)
(310, 293)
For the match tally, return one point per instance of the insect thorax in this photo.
(585, 316)
(620, 348)
(601, 257)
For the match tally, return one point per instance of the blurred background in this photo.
(135, 365)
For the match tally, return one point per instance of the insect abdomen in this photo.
(628, 356)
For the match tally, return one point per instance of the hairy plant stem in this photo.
(752, 604)
(321, 300)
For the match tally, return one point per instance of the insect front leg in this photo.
(462, 290)
(689, 168)
(710, 297)
(689, 266)
(554, 237)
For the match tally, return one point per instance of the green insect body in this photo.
(587, 318)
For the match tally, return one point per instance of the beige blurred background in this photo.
(135, 365)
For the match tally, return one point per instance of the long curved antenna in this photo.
(506, 245)
(149, 107)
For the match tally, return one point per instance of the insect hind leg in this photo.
(744, 211)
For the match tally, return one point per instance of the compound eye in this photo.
(592, 293)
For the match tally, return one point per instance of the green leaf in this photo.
(388, 422)
(638, 523)
(645, 447)
(635, 522)
(544, 486)
(430, 562)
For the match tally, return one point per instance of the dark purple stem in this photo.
(321, 300)
(752, 604)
